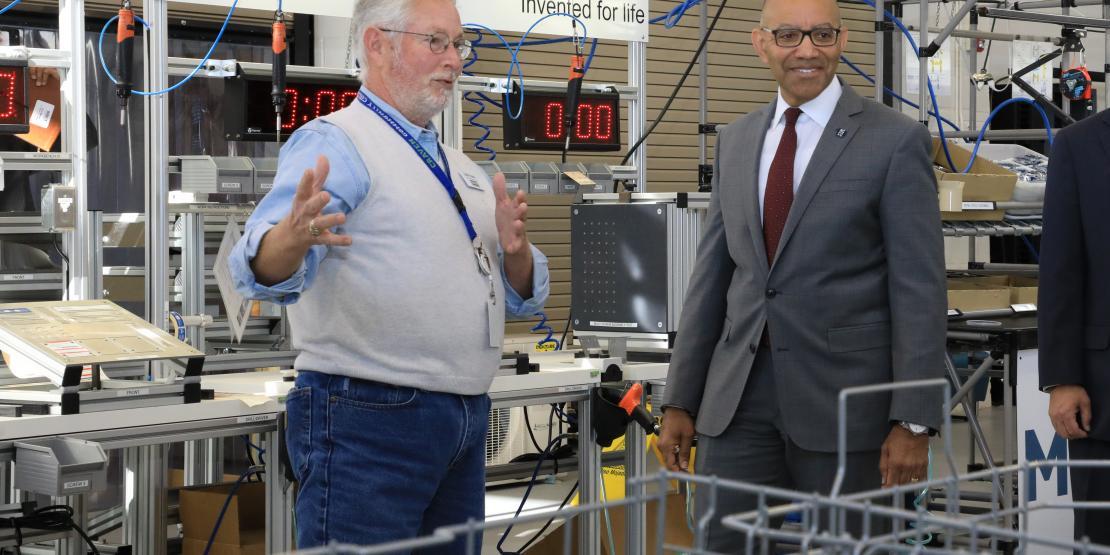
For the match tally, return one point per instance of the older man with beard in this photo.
(399, 260)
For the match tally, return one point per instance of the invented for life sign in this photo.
(624, 20)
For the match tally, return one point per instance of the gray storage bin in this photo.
(60, 466)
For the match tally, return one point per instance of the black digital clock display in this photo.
(540, 125)
(250, 112)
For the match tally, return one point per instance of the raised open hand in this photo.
(512, 215)
(307, 220)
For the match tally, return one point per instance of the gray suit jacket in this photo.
(856, 295)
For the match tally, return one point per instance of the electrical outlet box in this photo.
(59, 208)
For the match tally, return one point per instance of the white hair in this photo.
(388, 14)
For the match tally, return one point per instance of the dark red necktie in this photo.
(779, 194)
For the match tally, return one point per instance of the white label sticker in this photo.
(42, 113)
(69, 349)
(1024, 307)
(978, 206)
(132, 392)
(567, 388)
(613, 324)
(231, 185)
(17, 277)
(256, 418)
(953, 312)
(75, 484)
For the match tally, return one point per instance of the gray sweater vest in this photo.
(405, 304)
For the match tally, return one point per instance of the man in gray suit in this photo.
(821, 268)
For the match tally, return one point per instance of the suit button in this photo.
(771, 293)
(752, 348)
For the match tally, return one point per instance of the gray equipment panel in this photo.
(568, 186)
(600, 174)
(543, 178)
(234, 175)
(60, 466)
(619, 268)
(516, 176)
(264, 171)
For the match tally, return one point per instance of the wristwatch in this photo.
(915, 429)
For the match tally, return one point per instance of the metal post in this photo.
(589, 481)
(95, 251)
(1009, 438)
(635, 464)
(71, 37)
(214, 464)
(923, 66)
(279, 504)
(934, 46)
(197, 462)
(703, 83)
(157, 165)
(880, 51)
(637, 113)
(973, 63)
(144, 521)
(1105, 64)
(192, 263)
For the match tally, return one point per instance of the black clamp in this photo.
(705, 177)
(707, 128)
(523, 366)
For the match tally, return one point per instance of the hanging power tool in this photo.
(1075, 79)
(125, 50)
(1075, 83)
(278, 90)
(574, 88)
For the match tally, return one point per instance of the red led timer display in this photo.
(304, 102)
(595, 121)
(542, 125)
(11, 82)
(303, 106)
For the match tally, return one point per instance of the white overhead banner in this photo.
(624, 20)
(338, 8)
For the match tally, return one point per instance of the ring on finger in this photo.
(312, 229)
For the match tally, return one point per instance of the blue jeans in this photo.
(377, 463)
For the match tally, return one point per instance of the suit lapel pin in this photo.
(841, 132)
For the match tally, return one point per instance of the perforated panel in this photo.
(619, 268)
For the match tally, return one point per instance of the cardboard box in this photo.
(1023, 290)
(675, 533)
(990, 292)
(986, 181)
(243, 530)
(976, 293)
(256, 545)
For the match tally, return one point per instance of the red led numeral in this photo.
(584, 129)
(323, 107)
(603, 122)
(553, 120)
(290, 120)
(8, 79)
(347, 98)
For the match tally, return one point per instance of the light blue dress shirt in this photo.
(348, 182)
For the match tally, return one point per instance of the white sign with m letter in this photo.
(624, 20)
(1037, 441)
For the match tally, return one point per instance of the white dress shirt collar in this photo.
(820, 109)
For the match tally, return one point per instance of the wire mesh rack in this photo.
(865, 523)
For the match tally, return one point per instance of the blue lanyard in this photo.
(442, 174)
